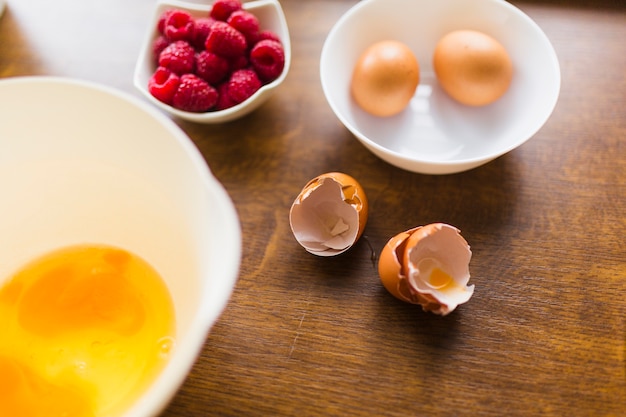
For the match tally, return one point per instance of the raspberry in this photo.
(268, 34)
(238, 62)
(162, 19)
(224, 101)
(201, 31)
(243, 83)
(222, 9)
(225, 40)
(179, 57)
(179, 25)
(158, 45)
(211, 67)
(246, 23)
(268, 59)
(163, 84)
(194, 94)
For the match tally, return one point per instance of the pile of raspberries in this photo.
(214, 62)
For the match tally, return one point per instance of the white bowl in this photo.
(435, 134)
(80, 163)
(271, 17)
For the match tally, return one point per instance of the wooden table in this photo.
(545, 332)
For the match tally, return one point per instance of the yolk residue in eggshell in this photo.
(85, 329)
(472, 67)
(385, 78)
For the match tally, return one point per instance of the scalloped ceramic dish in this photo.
(434, 134)
(271, 17)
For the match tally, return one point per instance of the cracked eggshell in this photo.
(429, 266)
(329, 214)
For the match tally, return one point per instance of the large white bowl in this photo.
(81, 163)
(271, 17)
(435, 134)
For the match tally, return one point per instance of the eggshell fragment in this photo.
(428, 266)
(329, 214)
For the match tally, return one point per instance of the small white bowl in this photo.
(271, 17)
(435, 134)
(85, 164)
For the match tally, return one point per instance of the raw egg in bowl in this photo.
(467, 108)
(119, 251)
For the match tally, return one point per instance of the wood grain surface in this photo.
(545, 332)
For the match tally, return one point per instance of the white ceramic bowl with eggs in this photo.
(271, 17)
(435, 134)
(83, 163)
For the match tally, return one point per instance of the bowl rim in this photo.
(218, 116)
(424, 165)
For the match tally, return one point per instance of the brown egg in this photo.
(472, 67)
(428, 266)
(385, 78)
(329, 214)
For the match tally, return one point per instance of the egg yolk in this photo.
(85, 330)
(439, 279)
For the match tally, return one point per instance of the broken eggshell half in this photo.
(329, 214)
(429, 266)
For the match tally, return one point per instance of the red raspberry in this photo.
(158, 45)
(224, 101)
(201, 31)
(194, 94)
(246, 23)
(268, 59)
(178, 57)
(163, 84)
(243, 83)
(238, 62)
(179, 25)
(268, 34)
(225, 40)
(211, 67)
(161, 22)
(222, 9)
